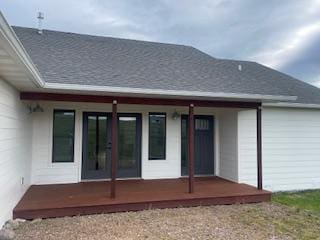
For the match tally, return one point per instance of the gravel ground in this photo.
(252, 221)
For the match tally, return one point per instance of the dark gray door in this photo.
(204, 146)
(96, 155)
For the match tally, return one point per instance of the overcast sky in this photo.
(284, 35)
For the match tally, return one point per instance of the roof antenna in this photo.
(40, 18)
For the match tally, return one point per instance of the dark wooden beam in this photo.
(40, 96)
(259, 147)
(114, 148)
(191, 148)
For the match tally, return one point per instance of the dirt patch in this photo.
(254, 221)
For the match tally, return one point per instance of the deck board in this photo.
(45, 201)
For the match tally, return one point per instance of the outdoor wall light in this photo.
(175, 115)
(37, 108)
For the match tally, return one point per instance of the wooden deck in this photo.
(46, 201)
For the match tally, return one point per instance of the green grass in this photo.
(293, 214)
(304, 200)
(285, 221)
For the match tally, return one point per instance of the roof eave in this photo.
(165, 93)
(292, 105)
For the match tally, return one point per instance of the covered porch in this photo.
(171, 181)
(46, 201)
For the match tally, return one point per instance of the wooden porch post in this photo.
(259, 148)
(114, 148)
(191, 149)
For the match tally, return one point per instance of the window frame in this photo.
(165, 136)
(73, 136)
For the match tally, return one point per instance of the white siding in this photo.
(228, 145)
(43, 170)
(247, 147)
(46, 172)
(291, 148)
(169, 167)
(15, 150)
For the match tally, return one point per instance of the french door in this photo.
(96, 150)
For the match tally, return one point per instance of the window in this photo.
(63, 135)
(202, 124)
(157, 136)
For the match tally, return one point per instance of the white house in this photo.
(77, 108)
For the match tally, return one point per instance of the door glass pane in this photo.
(92, 132)
(102, 144)
(127, 142)
(97, 143)
(202, 124)
(184, 143)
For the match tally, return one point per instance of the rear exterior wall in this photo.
(291, 140)
(15, 149)
(46, 172)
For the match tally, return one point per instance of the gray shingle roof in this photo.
(92, 60)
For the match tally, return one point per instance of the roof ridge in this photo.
(235, 60)
(101, 36)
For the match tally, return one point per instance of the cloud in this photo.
(289, 49)
(281, 34)
(317, 84)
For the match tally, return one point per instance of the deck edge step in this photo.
(139, 206)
